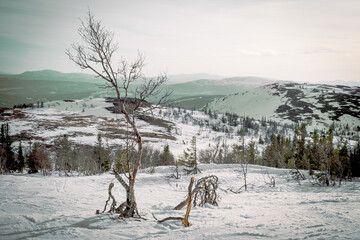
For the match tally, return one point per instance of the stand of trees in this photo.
(74, 158)
(318, 155)
(9, 161)
(39, 159)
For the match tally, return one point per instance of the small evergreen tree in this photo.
(251, 152)
(21, 159)
(166, 157)
(101, 155)
(120, 161)
(341, 163)
(64, 158)
(261, 141)
(355, 161)
(300, 148)
(190, 159)
(8, 156)
(326, 159)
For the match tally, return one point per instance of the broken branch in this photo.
(184, 220)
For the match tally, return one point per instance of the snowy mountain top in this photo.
(314, 104)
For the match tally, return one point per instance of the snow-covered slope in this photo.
(37, 207)
(82, 120)
(317, 105)
(218, 87)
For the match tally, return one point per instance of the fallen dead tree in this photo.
(204, 192)
(184, 220)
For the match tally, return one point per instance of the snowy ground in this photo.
(51, 207)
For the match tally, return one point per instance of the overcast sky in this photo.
(304, 40)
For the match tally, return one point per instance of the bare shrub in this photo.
(39, 159)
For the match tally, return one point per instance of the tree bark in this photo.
(130, 208)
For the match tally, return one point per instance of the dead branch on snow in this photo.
(184, 220)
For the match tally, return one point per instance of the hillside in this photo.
(47, 85)
(317, 105)
(15, 91)
(217, 87)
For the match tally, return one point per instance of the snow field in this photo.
(51, 207)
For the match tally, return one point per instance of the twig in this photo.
(112, 208)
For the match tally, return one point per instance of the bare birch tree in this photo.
(96, 53)
(244, 155)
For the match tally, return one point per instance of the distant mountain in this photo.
(45, 85)
(181, 78)
(316, 104)
(51, 75)
(340, 82)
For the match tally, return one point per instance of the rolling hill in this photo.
(51, 75)
(218, 87)
(317, 105)
(48, 85)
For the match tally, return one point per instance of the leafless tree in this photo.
(210, 155)
(241, 154)
(96, 53)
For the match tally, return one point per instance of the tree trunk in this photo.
(245, 181)
(130, 208)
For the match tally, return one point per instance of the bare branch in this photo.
(113, 205)
(205, 189)
(121, 180)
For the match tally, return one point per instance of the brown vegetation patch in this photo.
(47, 124)
(15, 114)
(158, 135)
(26, 136)
(114, 130)
(77, 118)
(131, 103)
(156, 121)
(118, 133)
(80, 134)
(112, 125)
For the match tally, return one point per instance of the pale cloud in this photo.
(321, 50)
(262, 53)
